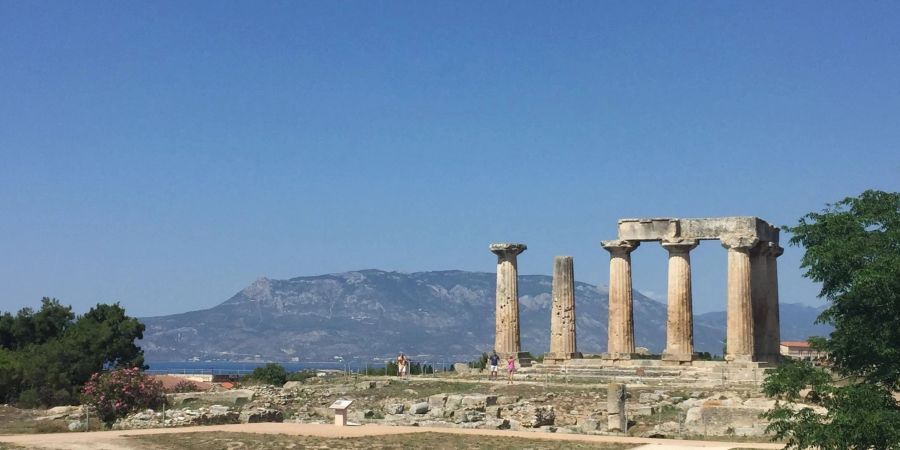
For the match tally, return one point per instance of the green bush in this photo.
(271, 373)
(119, 392)
(185, 386)
(28, 398)
(301, 375)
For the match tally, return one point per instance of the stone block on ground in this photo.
(232, 397)
(259, 415)
(469, 416)
(437, 400)
(639, 410)
(479, 401)
(591, 425)
(721, 420)
(419, 408)
(530, 416)
(453, 401)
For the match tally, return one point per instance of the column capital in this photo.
(766, 248)
(775, 250)
(679, 245)
(738, 242)
(620, 247)
(507, 249)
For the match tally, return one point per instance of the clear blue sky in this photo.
(166, 154)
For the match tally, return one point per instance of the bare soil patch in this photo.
(434, 441)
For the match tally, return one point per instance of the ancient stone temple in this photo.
(562, 312)
(506, 341)
(752, 300)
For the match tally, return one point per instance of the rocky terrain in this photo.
(469, 403)
(372, 313)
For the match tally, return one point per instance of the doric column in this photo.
(621, 312)
(506, 341)
(739, 335)
(759, 288)
(680, 323)
(562, 311)
(773, 319)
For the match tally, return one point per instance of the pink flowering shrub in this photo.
(116, 393)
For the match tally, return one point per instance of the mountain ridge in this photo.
(372, 313)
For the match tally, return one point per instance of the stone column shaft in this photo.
(621, 308)
(739, 334)
(680, 322)
(773, 318)
(759, 290)
(506, 341)
(562, 311)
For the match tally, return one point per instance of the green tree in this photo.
(853, 250)
(271, 373)
(50, 354)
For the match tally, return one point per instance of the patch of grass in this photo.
(22, 421)
(7, 446)
(434, 441)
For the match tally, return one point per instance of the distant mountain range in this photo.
(441, 315)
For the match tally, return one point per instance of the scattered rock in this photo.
(260, 415)
(437, 401)
(530, 416)
(233, 397)
(419, 408)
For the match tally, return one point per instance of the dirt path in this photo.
(116, 440)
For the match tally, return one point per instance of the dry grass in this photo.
(22, 421)
(432, 441)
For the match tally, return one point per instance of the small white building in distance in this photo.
(800, 350)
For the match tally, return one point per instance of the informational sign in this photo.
(341, 404)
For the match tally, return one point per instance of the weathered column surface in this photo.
(617, 420)
(773, 318)
(621, 309)
(680, 322)
(562, 311)
(506, 341)
(759, 292)
(739, 334)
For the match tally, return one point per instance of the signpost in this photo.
(340, 412)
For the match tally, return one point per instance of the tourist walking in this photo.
(494, 361)
(510, 369)
(402, 364)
